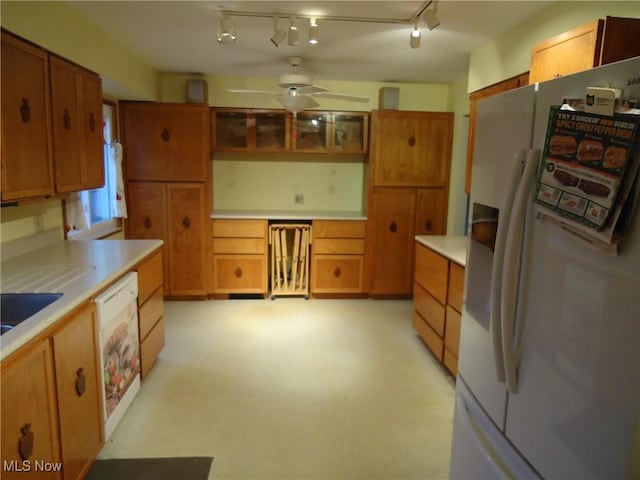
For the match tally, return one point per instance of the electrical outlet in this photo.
(38, 223)
(298, 199)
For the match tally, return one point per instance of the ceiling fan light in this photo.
(226, 30)
(292, 37)
(414, 38)
(314, 32)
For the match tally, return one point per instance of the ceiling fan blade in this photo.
(312, 89)
(339, 96)
(240, 90)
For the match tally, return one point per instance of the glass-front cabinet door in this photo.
(230, 130)
(271, 129)
(350, 132)
(310, 132)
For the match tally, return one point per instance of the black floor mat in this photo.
(173, 468)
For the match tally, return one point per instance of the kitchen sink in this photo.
(17, 307)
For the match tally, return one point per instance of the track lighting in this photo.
(314, 31)
(414, 38)
(278, 36)
(226, 30)
(292, 37)
(431, 16)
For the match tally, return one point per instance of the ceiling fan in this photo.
(299, 92)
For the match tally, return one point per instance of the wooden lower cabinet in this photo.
(150, 311)
(78, 386)
(337, 257)
(29, 410)
(175, 213)
(239, 264)
(437, 304)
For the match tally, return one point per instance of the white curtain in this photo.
(117, 197)
(78, 216)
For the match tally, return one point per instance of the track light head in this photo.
(278, 36)
(292, 36)
(314, 32)
(226, 30)
(431, 17)
(414, 38)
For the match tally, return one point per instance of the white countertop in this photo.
(77, 269)
(453, 247)
(288, 215)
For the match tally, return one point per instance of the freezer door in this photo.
(576, 411)
(479, 450)
(503, 136)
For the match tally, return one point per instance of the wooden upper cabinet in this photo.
(76, 108)
(350, 132)
(411, 148)
(596, 43)
(311, 132)
(243, 130)
(27, 165)
(475, 97)
(164, 141)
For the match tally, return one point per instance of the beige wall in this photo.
(509, 54)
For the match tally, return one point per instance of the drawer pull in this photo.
(337, 272)
(92, 122)
(66, 119)
(428, 225)
(238, 272)
(25, 111)
(186, 223)
(81, 382)
(393, 227)
(147, 222)
(165, 135)
(412, 141)
(25, 446)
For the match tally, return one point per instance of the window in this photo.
(91, 213)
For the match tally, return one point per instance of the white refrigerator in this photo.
(549, 365)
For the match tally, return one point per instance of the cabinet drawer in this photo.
(149, 276)
(431, 338)
(450, 361)
(239, 245)
(239, 274)
(151, 347)
(337, 274)
(456, 286)
(345, 246)
(338, 229)
(429, 308)
(432, 272)
(150, 312)
(452, 332)
(240, 228)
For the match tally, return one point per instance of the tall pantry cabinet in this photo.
(410, 157)
(167, 163)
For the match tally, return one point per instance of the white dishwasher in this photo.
(119, 348)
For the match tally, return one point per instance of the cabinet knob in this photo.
(25, 111)
(92, 122)
(165, 135)
(337, 272)
(412, 141)
(238, 272)
(186, 223)
(25, 446)
(428, 225)
(66, 119)
(81, 382)
(147, 222)
(393, 227)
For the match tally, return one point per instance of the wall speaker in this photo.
(388, 98)
(197, 91)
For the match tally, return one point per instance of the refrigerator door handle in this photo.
(498, 262)
(511, 268)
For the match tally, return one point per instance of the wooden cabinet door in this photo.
(391, 217)
(144, 148)
(621, 39)
(188, 143)
(186, 229)
(411, 148)
(569, 52)
(27, 165)
(29, 410)
(93, 125)
(431, 211)
(75, 351)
